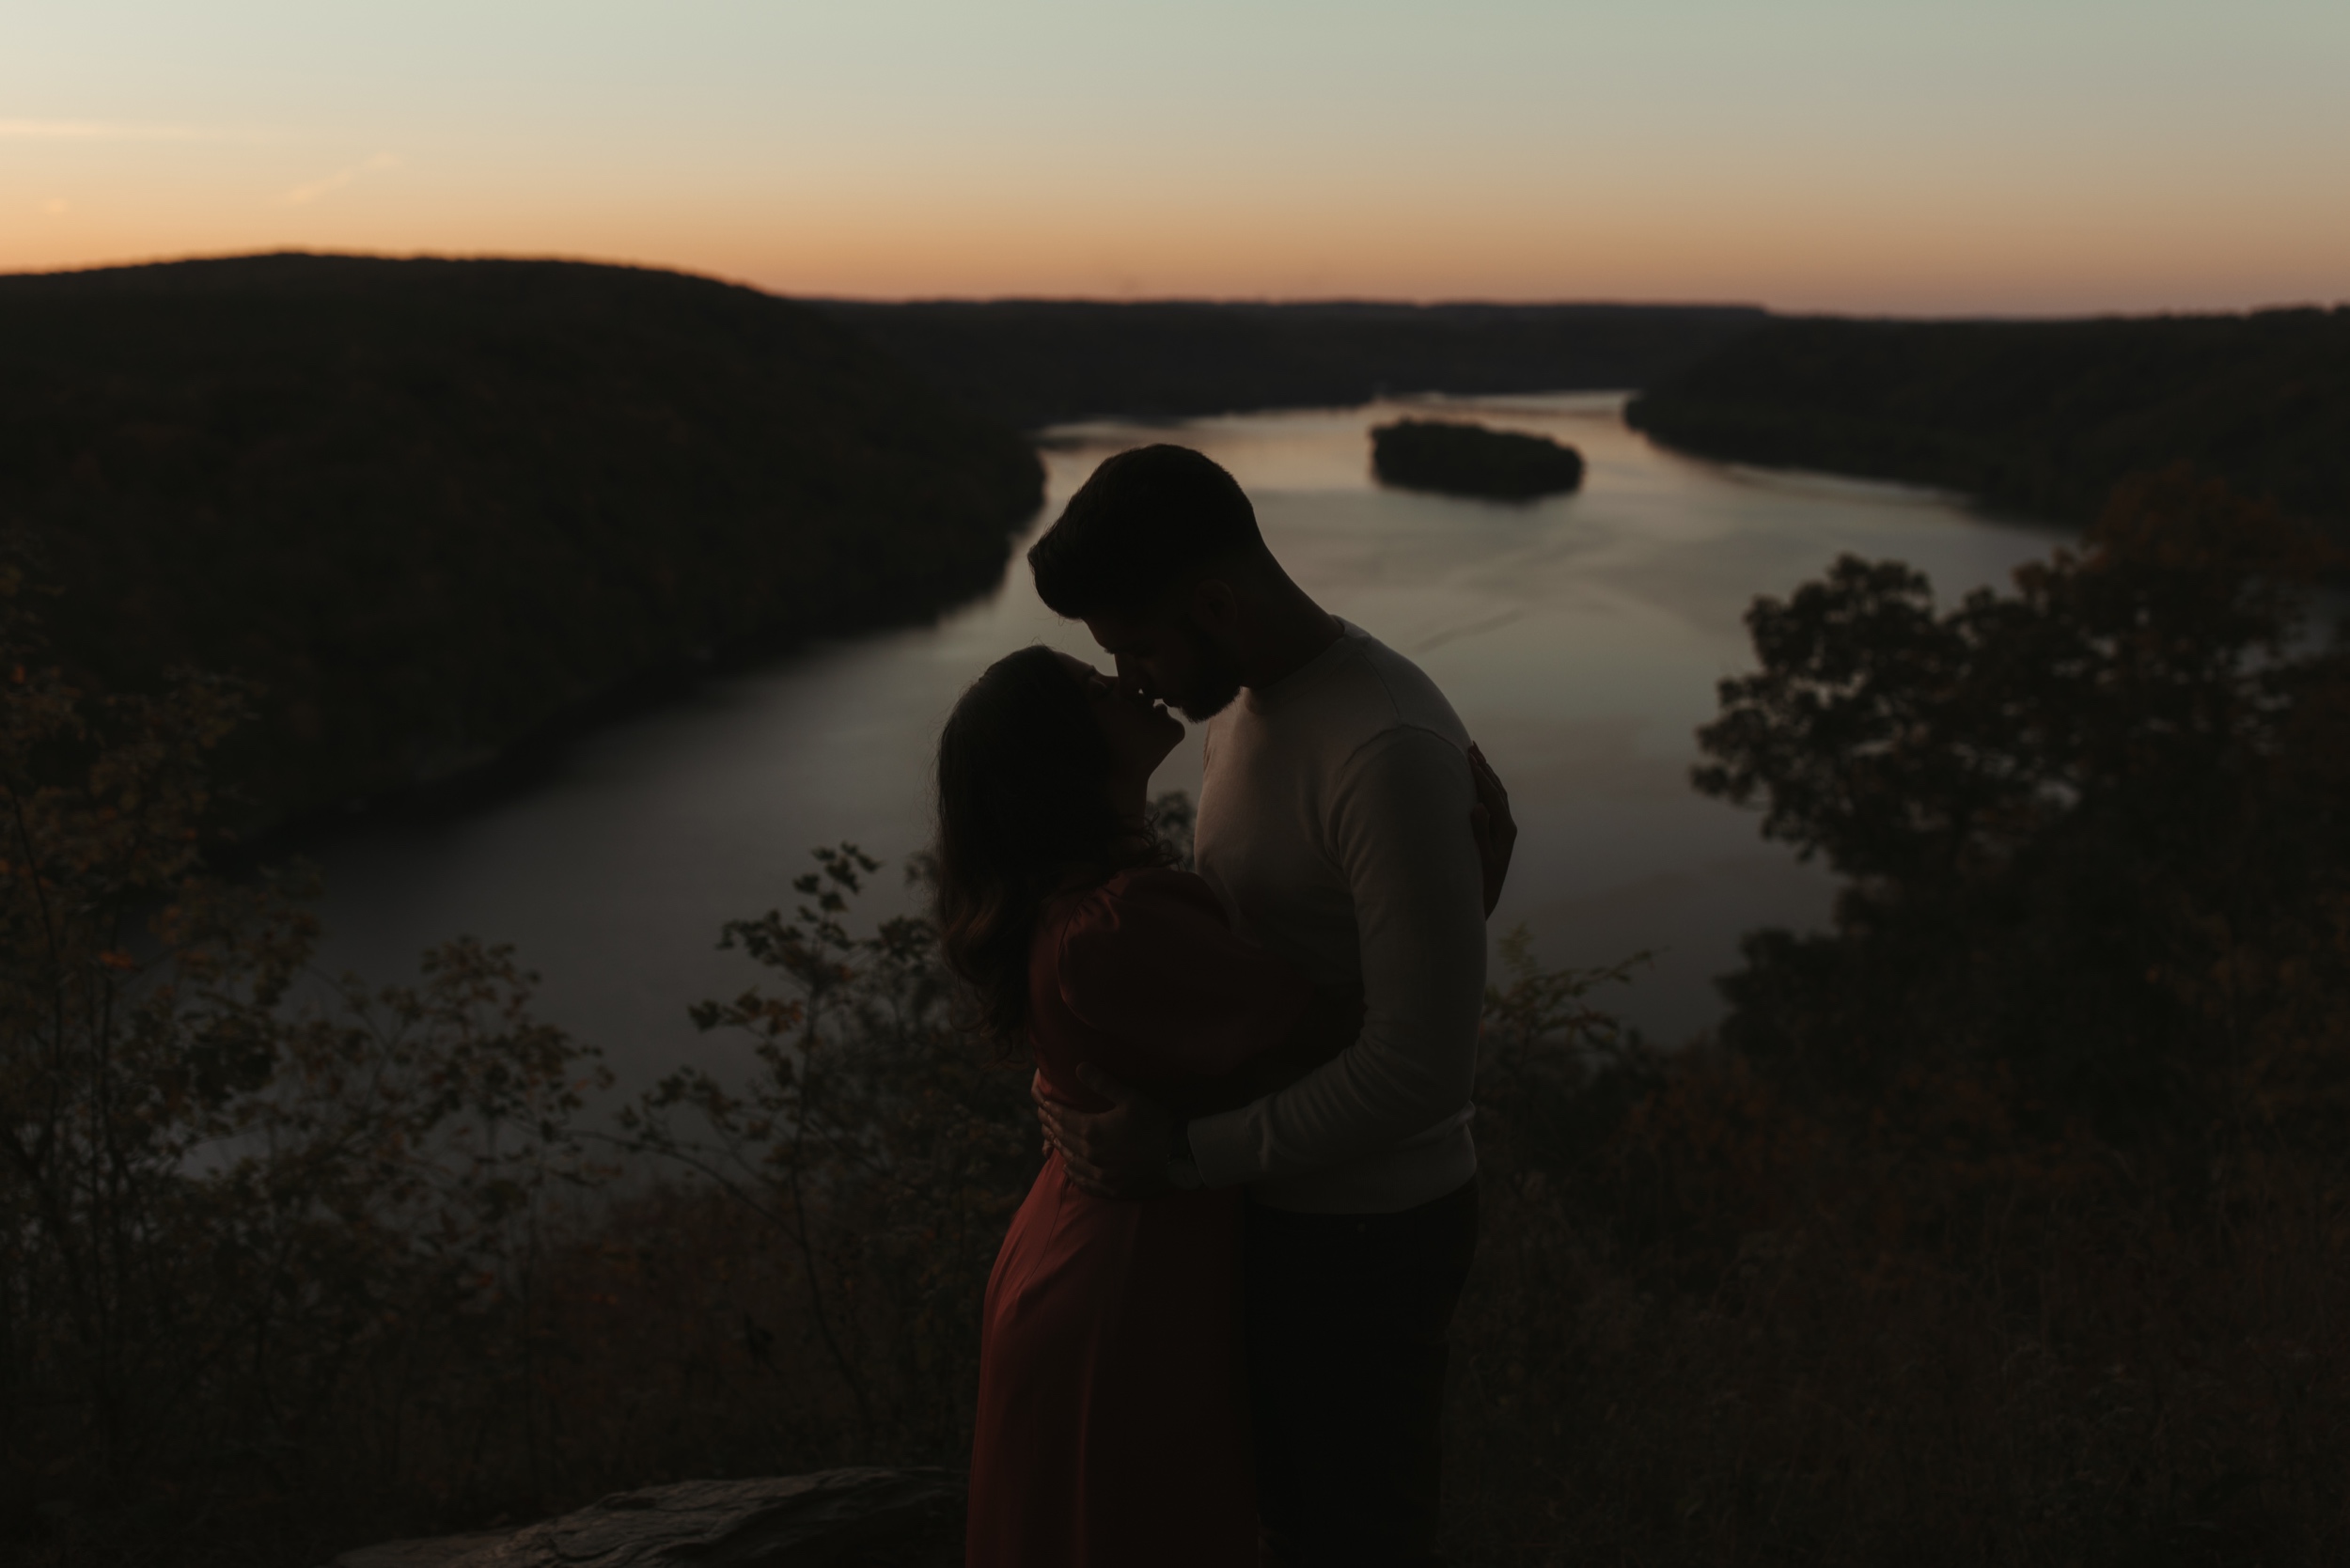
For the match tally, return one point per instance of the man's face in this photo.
(1164, 656)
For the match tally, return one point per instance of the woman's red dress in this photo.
(1113, 1426)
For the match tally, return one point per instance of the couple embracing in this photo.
(1215, 1333)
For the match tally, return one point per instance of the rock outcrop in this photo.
(846, 1518)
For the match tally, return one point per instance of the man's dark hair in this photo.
(1145, 520)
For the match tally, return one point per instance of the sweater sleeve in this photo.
(1399, 827)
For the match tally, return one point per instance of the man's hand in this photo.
(1496, 830)
(1119, 1153)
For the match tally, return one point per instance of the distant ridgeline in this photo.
(1033, 362)
(2040, 417)
(435, 507)
(1461, 459)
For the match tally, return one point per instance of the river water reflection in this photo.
(1579, 637)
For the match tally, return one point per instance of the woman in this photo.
(1112, 1428)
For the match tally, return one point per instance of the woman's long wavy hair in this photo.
(1024, 813)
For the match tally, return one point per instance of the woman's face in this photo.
(1140, 732)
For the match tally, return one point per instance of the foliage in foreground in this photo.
(278, 1279)
(246, 1238)
(2008, 1220)
(2094, 835)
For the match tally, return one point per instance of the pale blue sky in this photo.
(2073, 154)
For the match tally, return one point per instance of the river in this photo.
(1579, 637)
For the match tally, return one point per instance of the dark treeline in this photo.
(2037, 417)
(1032, 362)
(433, 508)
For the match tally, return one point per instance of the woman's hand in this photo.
(1119, 1153)
(1496, 830)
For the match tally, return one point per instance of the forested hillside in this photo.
(1036, 361)
(2041, 418)
(432, 506)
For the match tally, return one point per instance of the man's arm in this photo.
(1124, 1152)
(1492, 826)
(1419, 892)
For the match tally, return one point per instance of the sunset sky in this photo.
(1862, 155)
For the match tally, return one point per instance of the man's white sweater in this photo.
(1334, 826)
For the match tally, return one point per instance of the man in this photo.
(1335, 773)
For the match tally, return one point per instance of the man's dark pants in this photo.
(1347, 1316)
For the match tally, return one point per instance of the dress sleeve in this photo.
(1150, 964)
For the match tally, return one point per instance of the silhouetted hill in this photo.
(1032, 362)
(2037, 416)
(435, 507)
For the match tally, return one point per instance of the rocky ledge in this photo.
(846, 1518)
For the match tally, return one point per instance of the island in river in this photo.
(1456, 457)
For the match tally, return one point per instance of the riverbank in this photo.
(2034, 418)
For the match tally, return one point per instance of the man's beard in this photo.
(1220, 683)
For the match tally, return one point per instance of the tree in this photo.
(2059, 812)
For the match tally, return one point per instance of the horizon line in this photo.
(1228, 301)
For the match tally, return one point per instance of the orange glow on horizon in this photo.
(1815, 155)
(2012, 256)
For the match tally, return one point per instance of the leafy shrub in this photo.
(225, 1215)
(886, 1153)
(2075, 822)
